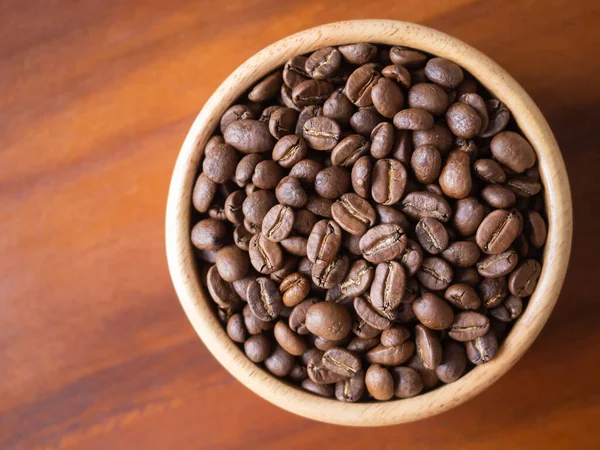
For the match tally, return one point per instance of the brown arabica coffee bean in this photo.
(389, 214)
(360, 84)
(407, 57)
(387, 97)
(233, 113)
(267, 88)
(280, 363)
(232, 263)
(257, 205)
(321, 133)
(439, 136)
(536, 229)
(361, 345)
(508, 310)
(219, 165)
(477, 103)
(482, 349)
(428, 347)
(289, 341)
(264, 299)
(399, 74)
(349, 149)
(361, 176)
(311, 92)
(498, 231)
(524, 187)
(407, 382)
(236, 330)
(332, 182)
(278, 223)
(265, 115)
(297, 319)
(383, 243)
(435, 274)
(462, 253)
(283, 122)
(403, 147)
(209, 234)
(232, 210)
(307, 113)
(382, 140)
(363, 330)
(249, 136)
(365, 120)
(293, 71)
(265, 255)
(288, 266)
(413, 119)
(388, 181)
(324, 241)
(324, 390)
(368, 314)
(463, 120)
(469, 276)
(423, 204)
(387, 288)
(379, 382)
(328, 320)
(241, 286)
(499, 116)
(323, 63)
(295, 245)
(394, 336)
(353, 214)
(294, 288)
(299, 373)
(444, 72)
(523, 280)
(245, 169)
(433, 312)
(513, 151)
(453, 364)
(339, 108)
(468, 216)
(455, 178)
(492, 291)
(351, 389)
(498, 196)
(319, 206)
(266, 174)
(469, 325)
(428, 376)
(305, 221)
(462, 296)
(391, 356)
(254, 325)
(358, 279)
(342, 362)
(360, 53)
(257, 348)
(351, 243)
(327, 275)
(289, 192)
(203, 193)
(220, 290)
(289, 150)
(432, 235)
(495, 266)
(412, 258)
(429, 97)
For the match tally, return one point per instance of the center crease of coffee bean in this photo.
(278, 222)
(265, 300)
(434, 274)
(341, 364)
(431, 237)
(498, 230)
(395, 237)
(353, 211)
(358, 280)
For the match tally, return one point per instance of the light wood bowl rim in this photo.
(558, 201)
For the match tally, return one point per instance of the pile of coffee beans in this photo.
(369, 221)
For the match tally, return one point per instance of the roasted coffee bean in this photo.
(349, 149)
(236, 330)
(351, 242)
(407, 57)
(256, 205)
(439, 136)
(499, 116)
(219, 165)
(513, 151)
(462, 296)
(297, 319)
(299, 373)
(536, 229)
(289, 150)
(254, 325)
(492, 291)
(429, 97)
(365, 120)
(280, 363)
(328, 320)
(435, 274)
(423, 204)
(469, 325)
(412, 258)
(289, 192)
(394, 336)
(407, 382)
(241, 286)
(523, 280)
(358, 54)
(323, 63)
(379, 382)
(266, 174)
(388, 286)
(383, 243)
(249, 136)
(203, 193)
(305, 221)
(233, 113)
(326, 274)
(342, 362)
(306, 113)
(265, 255)
(453, 364)
(351, 389)
(232, 263)
(495, 266)
(264, 299)
(368, 314)
(428, 347)
(220, 290)
(324, 241)
(455, 178)
(361, 176)
(468, 216)
(245, 169)
(463, 120)
(498, 196)
(469, 147)
(524, 187)
(283, 122)
(469, 276)
(399, 74)
(363, 330)
(319, 206)
(295, 245)
(324, 390)
(353, 214)
(498, 231)
(288, 340)
(432, 235)
(413, 119)
(358, 280)
(433, 312)
(321, 133)
(278, 223)
(391, 356)
(389, 214)
(209, 234)
(403, 147)
(233, 207)
(257, 348)
(288, 266)
(462, 253)
(339, 108)
(265, 115)
(251, 227)
(293, 71)
(267, 88)
(294, 288)
(360, 84)
(388, 181)
(217, 212)
(428, 376)
(482, 349)
(361, 345)
(387, 97)
(311, 92)
(508, 310)
(444, 72)
(332, 182)
(477, 103)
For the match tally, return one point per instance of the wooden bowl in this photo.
(194, 298)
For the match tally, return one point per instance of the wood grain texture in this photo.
(200, 308)
(95, 100)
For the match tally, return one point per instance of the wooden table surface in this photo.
(96, 97)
